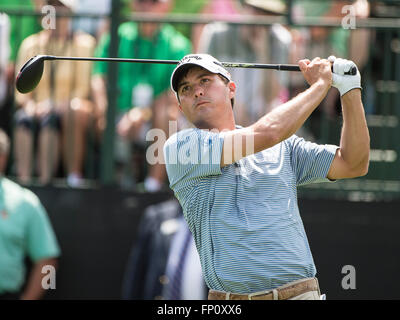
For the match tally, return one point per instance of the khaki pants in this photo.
(311, 295)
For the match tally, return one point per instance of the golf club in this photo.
(30, 74)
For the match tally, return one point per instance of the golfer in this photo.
(237, 186)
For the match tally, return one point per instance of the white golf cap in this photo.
(202, 60)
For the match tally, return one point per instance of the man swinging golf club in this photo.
(237, 186)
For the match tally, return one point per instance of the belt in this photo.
(284, 292)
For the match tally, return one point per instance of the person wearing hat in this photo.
(58, 112)
(262, 89)
(237, 185)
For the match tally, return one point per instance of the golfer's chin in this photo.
(204, 122)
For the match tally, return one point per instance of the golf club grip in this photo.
(288, 67)
(293, 67)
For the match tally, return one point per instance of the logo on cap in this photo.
(203, 60)
(186, 59)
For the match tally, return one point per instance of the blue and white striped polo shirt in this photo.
(244, 217)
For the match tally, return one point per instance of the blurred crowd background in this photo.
(80, 126)
(85, 124)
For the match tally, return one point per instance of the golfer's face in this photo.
(203, 96)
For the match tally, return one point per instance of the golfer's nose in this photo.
(198, 90)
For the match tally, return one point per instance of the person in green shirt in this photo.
(25, 230)
(20, 28)
(17, 29)
(144, 99)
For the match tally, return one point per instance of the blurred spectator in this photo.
(220, 8)
(60, 101)
(183, 279)
(164, 263)
(317, 42)
(262, 89)
(21, 26)
(144, 99)
(14, 28)
(359, 51)
(4, 61)
(25, 230)
(143, 278)
(385, 49)
(94, 26)
(323, 42)
(360, 39)
(188, 7)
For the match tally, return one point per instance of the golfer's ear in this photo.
(179, 102)
(232, 89)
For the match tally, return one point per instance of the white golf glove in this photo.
(344, 83)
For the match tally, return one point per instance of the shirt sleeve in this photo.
(192, 154)
(41, 240)
(310, 161)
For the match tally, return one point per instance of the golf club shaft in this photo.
(285, 67)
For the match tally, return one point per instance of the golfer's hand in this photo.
(344, 83)
(317, 70)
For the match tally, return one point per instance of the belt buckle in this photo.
(260, 293)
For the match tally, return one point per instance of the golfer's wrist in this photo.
(352, 95)
(344, 91)
(322, 85)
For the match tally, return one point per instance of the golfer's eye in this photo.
(185, 89)
(204, 80)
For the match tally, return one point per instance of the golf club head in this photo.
(31, 73)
